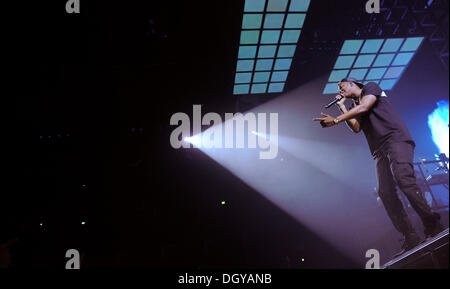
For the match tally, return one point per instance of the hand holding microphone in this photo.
(339, 100)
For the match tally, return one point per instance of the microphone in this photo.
(336, 99)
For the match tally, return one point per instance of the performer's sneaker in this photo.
(434, 229)
(411, 240)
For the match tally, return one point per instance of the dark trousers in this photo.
(395, 168)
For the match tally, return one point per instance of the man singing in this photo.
(393, 149)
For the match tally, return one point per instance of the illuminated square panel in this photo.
(394, 72)
(351, 46)
(299, 5)
(243, 77)
(392, 45)
(273, 20)
(411, 44)
(278, 76)
(247, 51)
(387, 84)
(382, 61)
(403, 58)
(241, 88)
(252, 21)
(254, 5)
(276, 87)
(364, 60)
(357, 74)
(249, 36)
(376, 73)
(270, 36)
(261, 77)
(259, 87)
(337, 75)
(295, 20)
(372, 46)
(264, 64)
(245, 65)
(267, 51)
(331, 88)
(344, 61)
(283, 64)
(286, 50)
(290, 36)
(277, 5)
(268, 40)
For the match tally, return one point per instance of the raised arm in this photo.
(349, 116)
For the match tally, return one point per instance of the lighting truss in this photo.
(268, 40)
(382, 61)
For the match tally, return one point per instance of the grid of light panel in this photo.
(373, 60)
(269, 36)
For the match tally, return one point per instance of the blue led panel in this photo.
(388, 84)
(392, 45)
(264, 64)
(283, 64)
(290, 36)
(373, 60)
(261, 77)
(344, 61)
(270, 32)
(279, 76)
(249, 36)
(411, 44)
(376, 73)
(252, 21)
(403, 58)
(394, 72)
(331, 88)
(299, 5)
(295, 20)
(364, 60)
(247, 52)
(270, 36)
(243, 77)
(337, 75)
(254, 5)
(384, 59)
(259, 87)
(372, 46)
(245, 65)
(274, 20)
(276, 87)
(267, 51)
(277, 5)
(286, 50)
(358, 74)
(351, 46)
(241, 89)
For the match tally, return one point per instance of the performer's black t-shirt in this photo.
(382, 124)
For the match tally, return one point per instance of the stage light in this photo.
(195, 140)
(83, 223)
(373, 60)
(223, 203)
(269, 36)
(438, 124)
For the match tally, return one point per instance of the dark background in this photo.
(109, 80)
